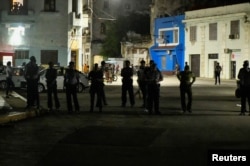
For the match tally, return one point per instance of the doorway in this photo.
(233, 69)
(195, 64)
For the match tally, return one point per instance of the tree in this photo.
(117, 30)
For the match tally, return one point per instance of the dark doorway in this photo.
(195, 64)
(233, 69)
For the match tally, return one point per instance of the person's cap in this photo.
(246, 63)
(32, 58)
(103, 62)
(142, 61)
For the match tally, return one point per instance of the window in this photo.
(234, 29)
(50, 5)
(193, 33)
(21, 54)
(169, 36)
(213, 31)
(18, 7)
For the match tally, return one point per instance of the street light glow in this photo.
(16, 34)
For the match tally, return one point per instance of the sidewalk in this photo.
(13, 109)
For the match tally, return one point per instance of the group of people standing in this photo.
(71, 80)
(149, 78)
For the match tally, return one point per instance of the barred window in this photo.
(21, 54)
(193, 33)
(213, 31)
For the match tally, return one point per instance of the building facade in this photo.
(220, 34)
(103, 12)
(50, 30)
(169, 43)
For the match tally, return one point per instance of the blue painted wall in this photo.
(166, 61)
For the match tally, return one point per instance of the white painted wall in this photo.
(203, 46)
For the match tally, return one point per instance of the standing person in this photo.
(96, 87)
(177, 69)
(117, 69)
(127, 84)
(142, 82)
(51, 75)
(217, 72)
(71, 81)
(85, 68)
(103, 69)
(244, 77)
(186, 64)
(186, 78)
(10, 84)
(31, 74)
(153, 78)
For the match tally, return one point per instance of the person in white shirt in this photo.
(10, 84)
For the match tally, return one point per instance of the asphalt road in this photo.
(129, 136)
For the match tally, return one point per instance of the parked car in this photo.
(83, 84)
(17, 77)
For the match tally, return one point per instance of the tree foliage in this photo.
(116, 32)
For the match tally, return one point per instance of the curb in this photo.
(13, 116)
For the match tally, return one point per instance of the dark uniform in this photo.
(153, 77)
(186, 88)
(244, 77)
(71, 81)
(10, 84)
(103, 91)
(96, 87)
(31, 74)
(51, 75)
(142, 82)
(127, 84)
(217, 72)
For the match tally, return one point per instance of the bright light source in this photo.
(16, 34)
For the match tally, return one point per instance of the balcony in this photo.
(7, 17)
(75, 19)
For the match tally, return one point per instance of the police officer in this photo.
(96, 87)
(127, 84)
(186, 78)
(217, 72)
(244, 77)
(51, 75)
(31, 74)
(103, 69)
(10, 84)
(71, 81)
(153, 78)
(142, 82)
